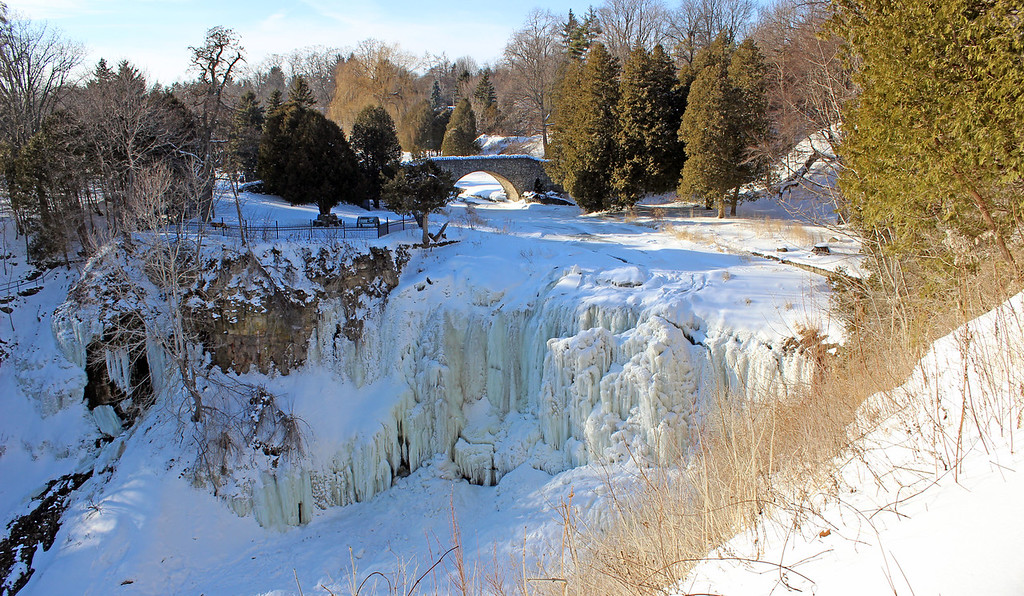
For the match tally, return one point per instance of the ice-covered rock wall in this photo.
(459, 359)
(569, 371)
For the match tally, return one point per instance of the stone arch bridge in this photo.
(516, 173)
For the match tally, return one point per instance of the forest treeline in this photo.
(920, 100)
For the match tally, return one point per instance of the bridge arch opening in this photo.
(481, 183)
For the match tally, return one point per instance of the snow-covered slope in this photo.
(529, 356)
(929, 502)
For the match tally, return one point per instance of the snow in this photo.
(494, 145)
(929, 501)
(542, 355)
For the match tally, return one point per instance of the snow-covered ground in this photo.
(666, 287)
(140, 526)
(929, 503)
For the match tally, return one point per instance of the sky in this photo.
(154, 35)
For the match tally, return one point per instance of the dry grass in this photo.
(787, 231)
(753, 457)
(689, 234)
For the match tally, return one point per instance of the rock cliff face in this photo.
(261, 312)
(249, 311)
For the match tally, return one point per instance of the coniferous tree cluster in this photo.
(623, 133)
(583, 151)
(935, 142)
(726, 115)
(305, 158)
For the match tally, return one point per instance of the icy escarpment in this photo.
(494, 371)
(489, 363)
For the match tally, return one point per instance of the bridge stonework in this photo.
(516, 173)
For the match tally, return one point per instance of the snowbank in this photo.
(929, 501)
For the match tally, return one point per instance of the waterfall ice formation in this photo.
(493, 366)
(564, 369)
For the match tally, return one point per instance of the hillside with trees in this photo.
(665, 369)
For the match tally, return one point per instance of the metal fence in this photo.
(302, 233)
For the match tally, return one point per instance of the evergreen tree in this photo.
(275, 102)
(460, 136)
(305, 158)
(484, 93)
(649, 111)
(376, 146)
(583, 150)
(103, 73)
(487, 100)
(246, 131)
(300, 94)
(435, 96)
(577, 37)
(749, 90)
(571, 38)
(934, 143)
(705, 128)
(725, 117)
(48, 185)
(420, 189)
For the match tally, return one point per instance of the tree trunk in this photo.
(426, 228)
(734, 202)
(979, 202)
(721, 207)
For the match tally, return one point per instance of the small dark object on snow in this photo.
(327, 220)
(821, 249)
(255, 187)
(782, 249)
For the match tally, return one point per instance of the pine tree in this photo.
(300, 94)
(305, 158)
(246, 131)
(420, 189)
(484, 93)
(103, 73)
(726, 115)
(649, 111)
(275, 102)
(460, 136)
(571, 42)
(583, 150)
(435, 96)
(376, 146)
(934, 143)
(577, 37)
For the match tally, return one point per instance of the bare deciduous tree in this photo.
(696, 23)
(35, 69)
(317, 65)
(377, 73)
(808, 82)
(216, 62)
(629, 24)
(533, 56)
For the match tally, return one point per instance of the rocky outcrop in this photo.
(262, 311)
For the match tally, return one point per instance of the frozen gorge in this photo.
(493, 364)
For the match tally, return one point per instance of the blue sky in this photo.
(155, 34)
